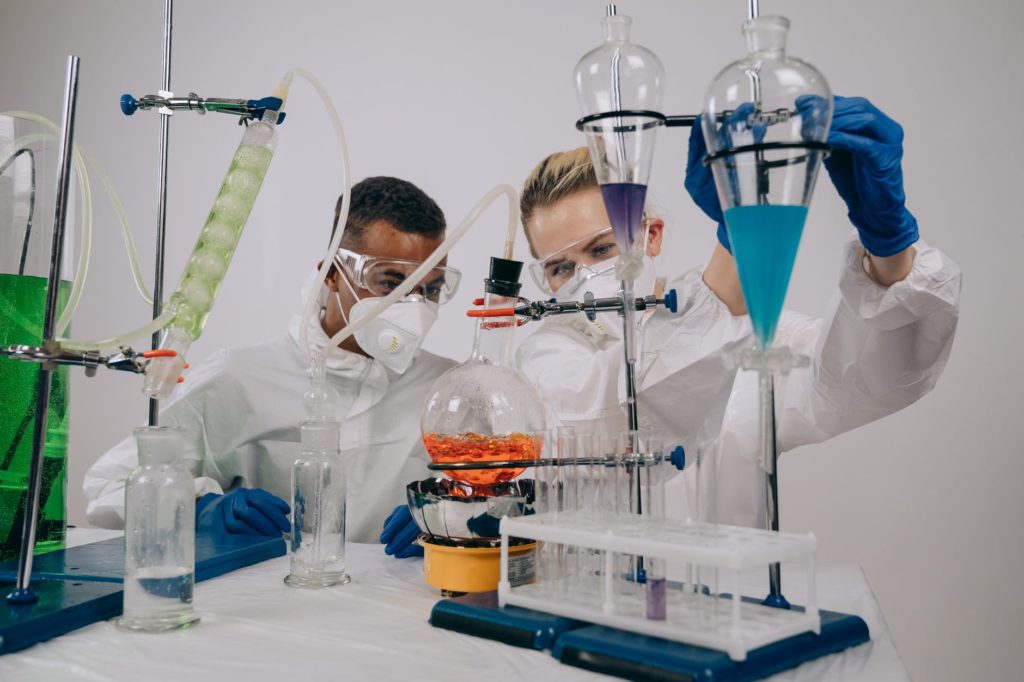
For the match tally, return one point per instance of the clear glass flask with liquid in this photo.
(159, 535)
(318, 509)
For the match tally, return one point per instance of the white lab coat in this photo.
(876, 351)
(241, 409)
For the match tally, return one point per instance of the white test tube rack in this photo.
(725, 623)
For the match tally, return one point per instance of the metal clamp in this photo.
(166, 103)
(50, 355)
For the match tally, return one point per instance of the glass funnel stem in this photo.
(770, 452)
(629, 349)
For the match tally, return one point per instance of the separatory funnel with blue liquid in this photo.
(765, 120)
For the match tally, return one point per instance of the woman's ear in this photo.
(655, 232)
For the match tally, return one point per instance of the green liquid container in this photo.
(22, 305)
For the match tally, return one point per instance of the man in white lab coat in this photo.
(240, 410)
(882, 344)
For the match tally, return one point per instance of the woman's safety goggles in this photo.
(591, 256)
(381, 276)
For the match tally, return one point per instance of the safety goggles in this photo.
(381, 276)
(591, 256)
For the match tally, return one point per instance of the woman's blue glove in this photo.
(400, 533)
(867, 148)
(243, 511)
(700, 182)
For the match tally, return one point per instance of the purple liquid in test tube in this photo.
(656, 596)
(624, 202)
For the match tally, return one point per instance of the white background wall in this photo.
(459, 96)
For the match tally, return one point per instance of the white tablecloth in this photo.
(255, 628)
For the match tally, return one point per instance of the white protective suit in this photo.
(241, 409)
(877, 351)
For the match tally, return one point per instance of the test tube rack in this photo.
(724, 622)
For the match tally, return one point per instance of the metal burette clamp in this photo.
(50, 355)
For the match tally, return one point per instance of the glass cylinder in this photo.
(28, 181)
(318, 510)
(193, 298)
(159, 535)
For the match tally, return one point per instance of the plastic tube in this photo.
(84, 189)
(122, 219)
(346, 197)
(147, 329)
(83, 161)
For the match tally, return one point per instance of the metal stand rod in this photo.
(161, 210)
(22, 592)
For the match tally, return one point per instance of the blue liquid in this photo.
(764, 243)
(624, 202)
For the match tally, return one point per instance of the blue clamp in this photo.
(129, 105)
(260, 106)
(678, 458)
(672, 301)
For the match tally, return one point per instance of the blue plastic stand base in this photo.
(637, 657)
(63, 606)
(479, 615)
(104, 561)
(82, 585)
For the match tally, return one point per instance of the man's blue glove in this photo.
(867, 148)
(400, 533)
(243, 511)
(700, 182)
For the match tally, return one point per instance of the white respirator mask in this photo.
(394, 337)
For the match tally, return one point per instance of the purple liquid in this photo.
(656, 597)
(624, 202)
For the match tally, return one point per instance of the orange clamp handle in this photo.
(160, 353)
(492, 312)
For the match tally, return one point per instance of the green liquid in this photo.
(22, 305)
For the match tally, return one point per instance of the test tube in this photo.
(545, 494)
(630, 500)
(704, 505)
(565, 453)
(590, 476)
(651, 468)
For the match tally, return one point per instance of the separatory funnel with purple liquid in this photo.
(618, 85)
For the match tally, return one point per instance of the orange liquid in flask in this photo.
(472, 447)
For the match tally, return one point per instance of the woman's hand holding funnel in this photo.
(865, 167)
